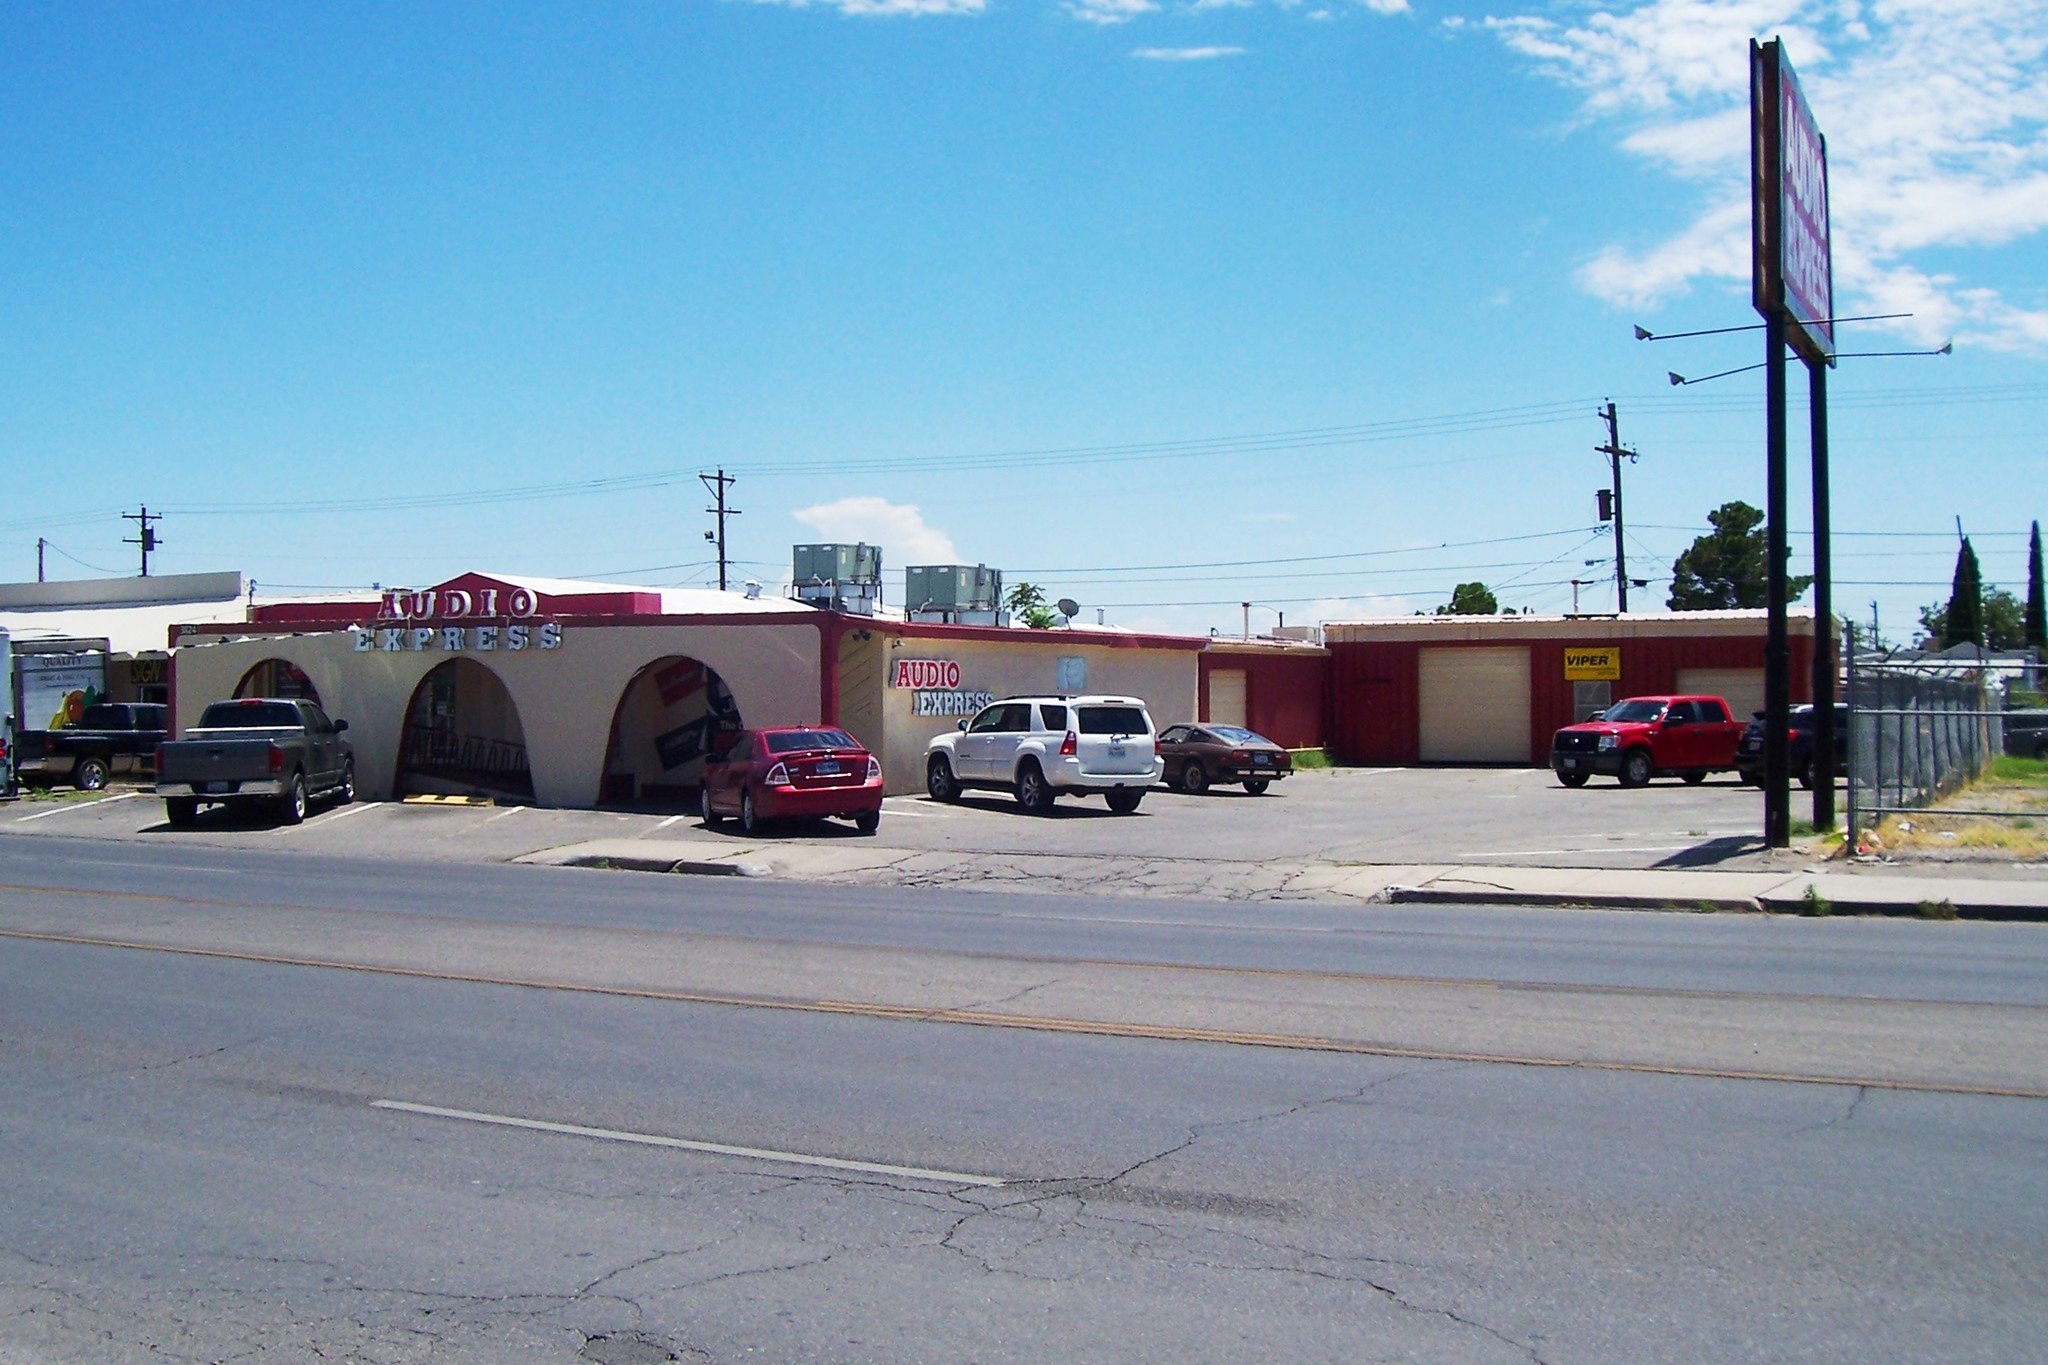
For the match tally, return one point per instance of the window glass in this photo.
(1176, 735)
(795, 741)
(1712, 710)
(991, 718)
(1053, 718)
(316, 719)
(1639, 710)
(263, 715)
(103, 718)
(1237, 734)
(1016, 717)
(1113, 720)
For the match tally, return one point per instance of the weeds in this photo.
(1813, 903)
(1941, 909)
(1310, 758)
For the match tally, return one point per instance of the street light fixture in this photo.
(1946, 348)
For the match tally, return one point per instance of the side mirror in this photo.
(962, 725)
(1673, 721)
(339, 726)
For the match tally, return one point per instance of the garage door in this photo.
(1226, 697)
(1475, 705)
(1742, 688)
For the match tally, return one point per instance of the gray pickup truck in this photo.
(277, 753)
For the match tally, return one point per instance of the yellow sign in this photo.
(1600, 663)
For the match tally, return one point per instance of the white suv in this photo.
(1039, 747)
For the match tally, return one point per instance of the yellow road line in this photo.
(1038, 1023)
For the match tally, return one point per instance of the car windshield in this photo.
(791, 741)
(1638, 710)
(1113, 720)
(1237, 734)
(250, 715)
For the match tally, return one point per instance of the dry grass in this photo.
(2018, 785)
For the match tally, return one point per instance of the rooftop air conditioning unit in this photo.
(844, 578)
(957, 594)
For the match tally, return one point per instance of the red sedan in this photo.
(792, 771)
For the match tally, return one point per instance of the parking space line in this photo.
(670, 821)
(329, 817)
(77, 805)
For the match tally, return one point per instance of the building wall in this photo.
(565, 697)
(1163, 675)
(1374, 669)
(1286, 689)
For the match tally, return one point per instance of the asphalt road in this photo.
(204, 1161)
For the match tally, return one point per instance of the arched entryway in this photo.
(462, 737)
(661, 728)
(277, 678)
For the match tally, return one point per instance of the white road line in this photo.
(509, 810)
(328, 817)
(832, 1163)
(670, 821)
(77, 805)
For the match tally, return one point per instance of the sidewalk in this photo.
(1804, 891)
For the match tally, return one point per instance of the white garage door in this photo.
(1226, 697)
(1741, 688)
(1475, 705)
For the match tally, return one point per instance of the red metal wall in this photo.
(1375, 702)
(1285, 694)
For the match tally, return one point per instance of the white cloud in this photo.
(898, 528)
(1936, 113)
(1185, 54)
(1386, 6)
(889, 7)
(1110, 11)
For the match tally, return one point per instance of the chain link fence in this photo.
(1919, 731)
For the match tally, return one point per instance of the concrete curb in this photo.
(1580, 900)
(684, 866)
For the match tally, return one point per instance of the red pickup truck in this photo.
(1637, 739)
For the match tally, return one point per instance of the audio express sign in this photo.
(1792, 266)
(402, 616)
(934, 687)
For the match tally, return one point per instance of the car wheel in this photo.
(1032, 792)
(1572, 779)
(181, 811)
(1694, 779)
(1637, 769)
(291, 807)
(1257, 785)
(90, 774)
(712, 819)
(2041, 749)
(868, 821)
(1194, 778)
(749, 820)
(1124, 800)
(345, 794)
(939, 780)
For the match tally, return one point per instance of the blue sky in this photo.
(1086, 291)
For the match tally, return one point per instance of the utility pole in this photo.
(146, 522)
(717, 484)
(40, 542)
(1613, 451)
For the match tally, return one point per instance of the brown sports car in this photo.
(1198, 755)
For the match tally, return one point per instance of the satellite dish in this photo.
(1061, 619)
(1069, 608)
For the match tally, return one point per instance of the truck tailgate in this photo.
(241, 759)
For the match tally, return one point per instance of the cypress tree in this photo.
(1965, 620)
(2036, 627)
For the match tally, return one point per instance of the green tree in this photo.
(1470, 599)
(1028, 601)
(2035, 630)
(1727, 567)
(2003, 614)
(1963, 622)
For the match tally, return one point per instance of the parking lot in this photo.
(1509, 816)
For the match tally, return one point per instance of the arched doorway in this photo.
(277, 678)
(661, 728)
(463, 737)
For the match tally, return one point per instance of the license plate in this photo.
(213, 787)
(1116, 751)
(1567, 763)
(1263, 760)
(828, 769)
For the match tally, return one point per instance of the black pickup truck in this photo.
(277, 753)
(110, 739)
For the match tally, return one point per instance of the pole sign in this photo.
(1791, 262)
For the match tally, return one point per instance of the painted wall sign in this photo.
(454, 604)
(941, 675)
(1592, 663)
(519, 635)
(949, 703)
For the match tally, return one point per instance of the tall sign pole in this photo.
(1792, 284)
